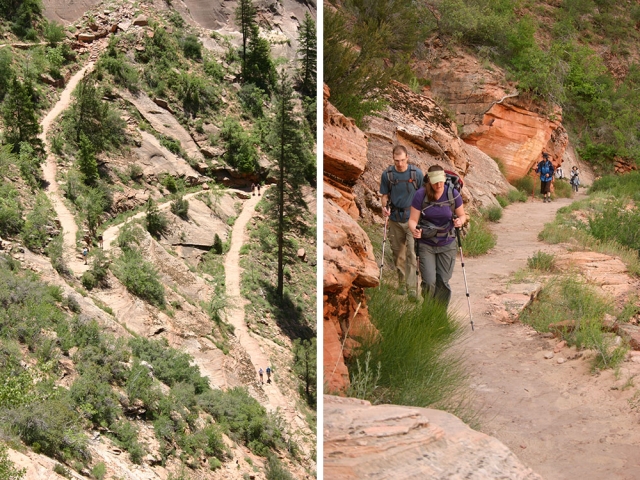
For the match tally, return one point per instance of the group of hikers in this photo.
(421, 218)
(546, 171)
(254, 187)
(261, 373)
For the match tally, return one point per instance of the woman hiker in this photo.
(432, 222)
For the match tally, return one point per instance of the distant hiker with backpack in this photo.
(398, 185)
(268, 374)
(545, 169)
(436, 211)
(575, 179)
(253, 189)
(260, 372)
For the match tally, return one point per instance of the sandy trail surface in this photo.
(560, 419)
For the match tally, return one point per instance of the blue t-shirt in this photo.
(438, 213)
(402, 192)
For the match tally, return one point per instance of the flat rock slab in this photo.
(395, 442)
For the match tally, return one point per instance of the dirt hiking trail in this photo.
(560, 419)
(236, 317)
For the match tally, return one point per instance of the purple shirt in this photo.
(438, 213)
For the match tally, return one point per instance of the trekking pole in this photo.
(464, 274)
(417, 247)
(384, 241)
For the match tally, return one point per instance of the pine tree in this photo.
(290, 148)
(304, 366)
(246, 18)
(19, 114)
(308, 56)
(259, 68)
(155, 220)
(87, 163)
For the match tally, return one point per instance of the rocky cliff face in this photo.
(349, 263)
(494, 117)
(417, 122)
(389, 441)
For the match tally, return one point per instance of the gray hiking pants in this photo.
(436, 269)
(404, 253)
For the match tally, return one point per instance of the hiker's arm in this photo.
(461, 217)
(414, 218)
(386, 210)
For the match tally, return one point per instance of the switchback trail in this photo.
(236, 315)
(560, 419)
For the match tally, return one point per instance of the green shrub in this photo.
(214, 463)
(139, 277)
(95, 399)
(38, 222)
(51, 427)
(214, 70)
(479, 240)
(541, 261)
(493, 214)
(502, 200)
(562, 189)
(127, 435)
(217, 244)
(130, 235)
(192, 48)
(155, 221)
(275, 470)
(8, 470)
(169, 365)
(180, 207)
(516, 196)
(170, 183)
(11, 221)
(99, 471)
(527, 185)
(244, 417)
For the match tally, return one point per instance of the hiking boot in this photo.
(401, 290)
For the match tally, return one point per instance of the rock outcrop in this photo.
(494, 117)
(417, 122)
(349, 262)
(390, 441)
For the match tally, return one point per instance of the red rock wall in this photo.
(349, 262)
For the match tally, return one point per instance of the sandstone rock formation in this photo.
(494, 117)
(417, 122)
(349, 262)
(390, 441)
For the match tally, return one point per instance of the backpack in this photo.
(452, 181)
(268, 370)
(413, 177)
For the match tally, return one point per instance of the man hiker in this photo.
(258, 185)
(260, 373)
(85, 252)
(398, 184)
(545, 169)
(253, 189)
(268, 374)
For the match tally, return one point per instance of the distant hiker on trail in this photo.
(85, 253)
(575, 179)
(253, 189)
(100, 240)
(545, 169)
(268, 374)
(260, 373)
(559, 172)
(432, 224)
(398, 185)
(258, 185)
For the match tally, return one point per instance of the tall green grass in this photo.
(479, 239)
(409, 361)
(565, 298)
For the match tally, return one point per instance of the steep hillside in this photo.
(132, 137)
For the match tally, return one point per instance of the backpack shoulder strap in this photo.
(392, 182)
